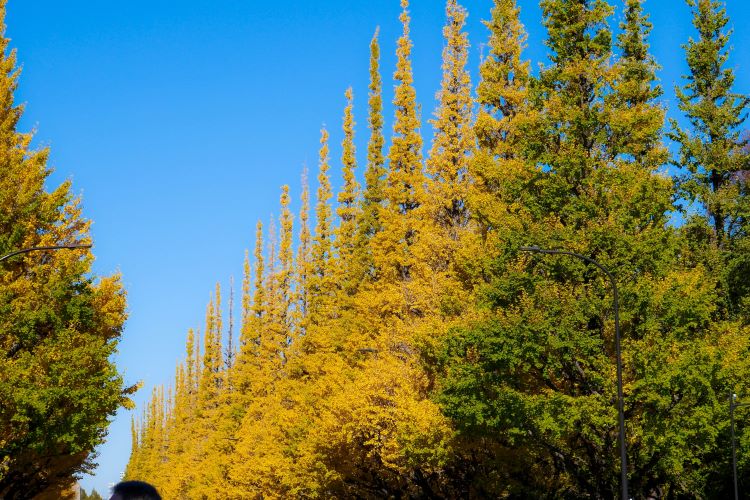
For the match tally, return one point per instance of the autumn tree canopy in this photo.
(396, 343)
(59, 324)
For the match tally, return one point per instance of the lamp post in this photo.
(618, 353)
(732, 406)
(39, 249)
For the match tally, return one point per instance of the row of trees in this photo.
(405, 348)
(59, 324)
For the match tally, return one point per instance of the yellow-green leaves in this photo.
(60, 323)
(410, 350)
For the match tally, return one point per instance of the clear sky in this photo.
(179, 122)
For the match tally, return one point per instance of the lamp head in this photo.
(534, 249)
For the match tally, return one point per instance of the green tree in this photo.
(413, 351)
(711, 154)
(60, 324)
(94, 495)
(535, 381)
(497, 166)
(636, 122)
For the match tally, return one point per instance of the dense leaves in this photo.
(412, 350)
(59, 325)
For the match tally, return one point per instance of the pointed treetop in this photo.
(375, 172)
(503, 74)
(405, 176)
(347, 198)
(246, 284)
(285, 249)
(303, 251)
(320, 281)
(712, 153)
(321, 251)
(348, 206)
(230, 354)
(452, 139)
(639, 66)
(259, 298)
(577, 30)
(286, 261)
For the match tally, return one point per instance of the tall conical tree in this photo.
(255, 315)
(637, 124)
(712, 156)
(712, 152)
(159, 430)
(286, 269)
(179, 444)
(273, 332)
(388, 418)
(502, 95)
(259, 307)
(60, 323)
(303, 264)
(373, 193)
(134, 445)
(257, 365)
(210, 376)
(405, 176)
(447, 162)
(321, 281)
(208, 399)
(229, 352)
(448, 183)
(572, 89)
(270, 330)
(504, 75)
(247, 300)
(227, 419)
(404, 191)
(348, 206)
(499, 181)
(218, 333)
(191, 361)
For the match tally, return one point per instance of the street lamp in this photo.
(618, 352)
(732, 406)
(39, 249)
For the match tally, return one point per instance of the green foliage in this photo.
(714, 156)
(94, 495)
(426, 356)
(535, 381)
(60, 325)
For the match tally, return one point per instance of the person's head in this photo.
(134, 490)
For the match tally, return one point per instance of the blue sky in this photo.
(179, 122)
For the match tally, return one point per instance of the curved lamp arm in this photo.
(39, 249)
(618, 352)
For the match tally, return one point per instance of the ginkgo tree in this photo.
(406, 348)
(59, 323)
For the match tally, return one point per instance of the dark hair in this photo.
(135, 490)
